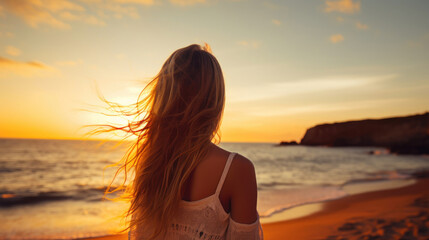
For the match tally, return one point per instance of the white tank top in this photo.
(206, 219)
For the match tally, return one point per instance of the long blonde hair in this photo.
(175, 122)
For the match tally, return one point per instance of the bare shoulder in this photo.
(244, 190)
(242, 173)
(242, 166)
(241, 169)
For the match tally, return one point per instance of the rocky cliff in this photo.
(409, 134)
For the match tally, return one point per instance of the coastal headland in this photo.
(402, 135)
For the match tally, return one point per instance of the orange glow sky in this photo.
(288, 65)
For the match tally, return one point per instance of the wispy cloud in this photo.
(342, 6)
(336, 38)
(59, 13)
(117, 8)
(5, 62)
(274, 90)
(69, 63)
(36, 13)
(249, 44)
(327, 107)
(186, 2)
(11, 67)
(141, 2)
(13, 51)
(276, 22)
(361, 26)
(89, 19)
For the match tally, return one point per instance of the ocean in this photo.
(53, 189)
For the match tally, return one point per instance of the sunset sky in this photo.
(288, 65)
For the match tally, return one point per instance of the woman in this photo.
(186, 187)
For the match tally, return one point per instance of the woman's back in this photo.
(239, 188)
(205, 211)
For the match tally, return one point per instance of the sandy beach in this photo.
(401, 213)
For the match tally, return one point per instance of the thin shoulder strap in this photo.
(224, 173)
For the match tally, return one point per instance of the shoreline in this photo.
(384, 213)
(389, 213)
(352, 188)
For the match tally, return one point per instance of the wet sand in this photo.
(401, 213)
